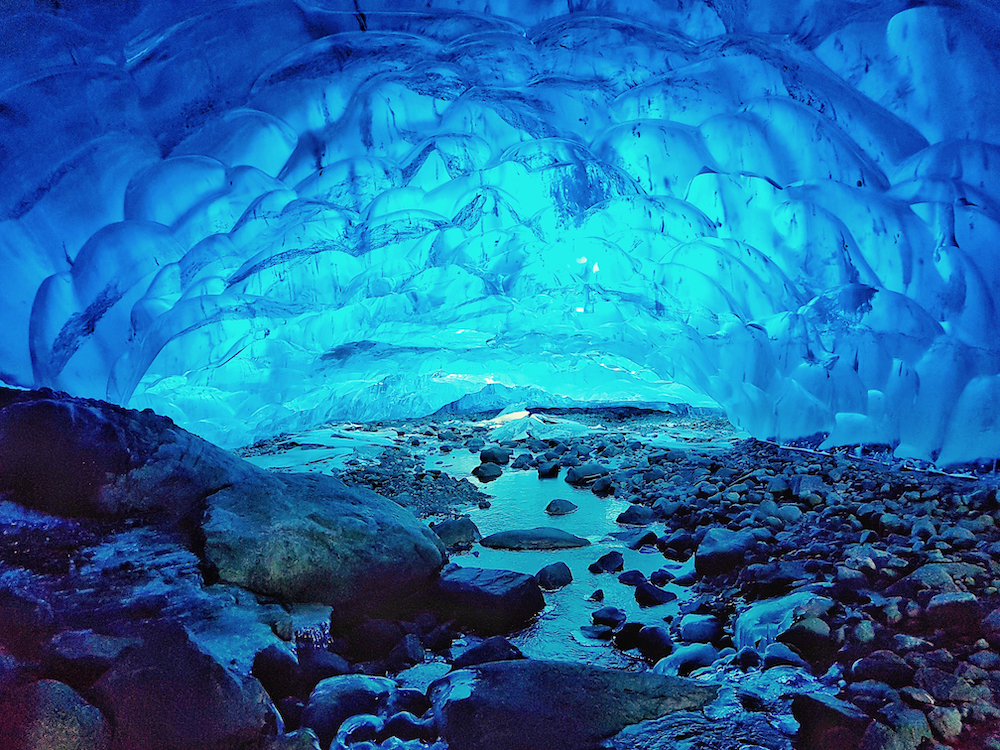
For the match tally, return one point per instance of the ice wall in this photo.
(257, 215)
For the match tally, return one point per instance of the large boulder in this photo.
(489, 601)
(310, 538)
(49, 715)
(169, 694)
(528, 704)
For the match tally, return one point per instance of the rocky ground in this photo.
(800, 600)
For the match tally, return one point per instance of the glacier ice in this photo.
(259, 215)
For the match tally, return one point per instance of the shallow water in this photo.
(518, 500)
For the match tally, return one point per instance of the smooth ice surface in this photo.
(259, 215)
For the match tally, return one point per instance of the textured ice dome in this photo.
(255, 216)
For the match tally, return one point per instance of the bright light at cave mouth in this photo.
(259, 215)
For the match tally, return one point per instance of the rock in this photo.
(554, 705)
(692, 730)
(49, 715)
(654, 642)
(406, 726)
(27, 622)
(548, 469)
(603, 486)
(686, 659)
(701, 628)
(407, 652)
(937, 577)
(79, 657)
(215, 709)
(884, 666)
(778, 655)
(627, 636)
(335, 699)
(631, 578)
(309, 538)
(944, 686)
(277, 668)
(554, 576)
(585, 474)
(637, 515)
(316, 664)
(826, 723)
(499, 456)
(524, 461)
(457, 533)
(302, 739)
(560, 507)
(611, 562)
(809, 636)
(957, 611)
(542, 537)
(610, 616)
(373, 639)
(496, 648)
(648, 595)
(490, 601)
(722, 550)
(897, 728)
(487, 472)
(945, 722)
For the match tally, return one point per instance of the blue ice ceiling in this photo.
(256, 216)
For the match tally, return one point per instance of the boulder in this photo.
(554, 576)
(721, 551)
(310, 538)
(637, 515)
(338, 698)
(489, 601)
(50, 715)
(499, 456)
(496, 648)
(542, 537)
(514, 705)
(456, 533)
(827, 723)
(487, 472)
(170, 689)
(585, 474)
(560, 507)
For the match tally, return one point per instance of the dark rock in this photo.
(490, 601)
(748, 657)
(456, 533)
(957, 611)
(597, 632)
(627, 636)
(496, 648)
(693, 730)
(406, 726)
(701, 628)
(809, 636)
(778, 654)
(79, 657)
(560, 507)
(499, 456)
(406, 653)
(278, 671)
(826, 723)
(722, 550)
(554, 576)
(686, 659)
(944, 686)
(661, 577)
(611, 562)
(603, 486)
(585, 474)
(141, 695)
(631, 578)
(373, 639)
(337, 698)
(654, 642)
(317, 664)
(637, 515)
(487, 472)
(648, 595)
(524, 461)
(884, 666)
(49, 715)
(897, 728)
(871, 695)
(945, 722)
(548, 469)
(291, 711)
(542, 537)
(553, 705)
(27, 622)
(610, 616)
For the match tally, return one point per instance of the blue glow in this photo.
(263, 215)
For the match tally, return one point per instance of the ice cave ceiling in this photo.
(254, 216)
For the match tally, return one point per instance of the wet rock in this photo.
(548, 469)
(457, 533)
(585, 474)
(871, 695)
(597, 632)
(654, 642)
(690, 730)
(826, 723)
(560, 507)
(302, 739)
(603, 486)
(277, 668)
(523, 461)
(637, 515)
(631, 578)
(487, 472)
(685, 659)
(884, 666)
(554, 576)
(498, 456)
(496, 648)
(648, 595)
(215, 708)
(701, 628)
(338, 698)
(542, 537)
(612, 562)
(722, 551)
(809, 636)
(373, 639)
(553, 705)
(79, 657)
(490, 601)
(316, 664)
(407, 726)
(897, 728)
(778, 655)
(50, 715)
(610, 616)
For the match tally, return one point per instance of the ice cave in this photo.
(256, 216)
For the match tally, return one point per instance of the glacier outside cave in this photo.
(255, 216)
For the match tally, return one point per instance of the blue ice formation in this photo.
(257, 215)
